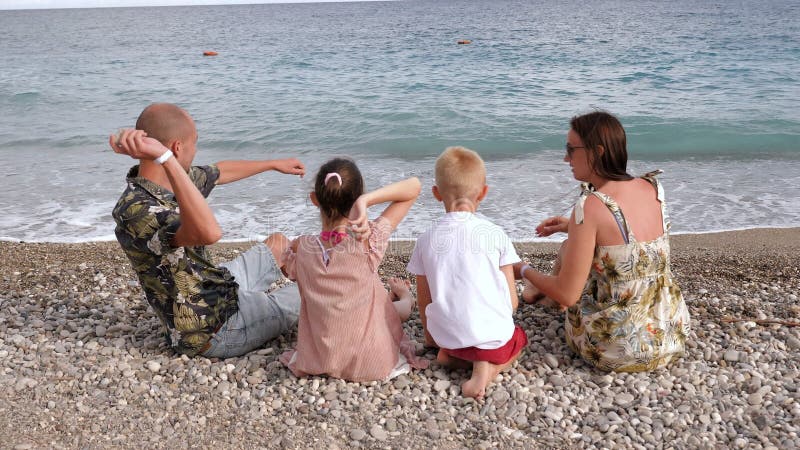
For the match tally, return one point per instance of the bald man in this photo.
(163, 225)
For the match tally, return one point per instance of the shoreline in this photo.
(536, 241)
(84, 365)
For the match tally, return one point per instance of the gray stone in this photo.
(378, 432)
(441, 385)
(731, 355)
(557, 380)
(624, 399)
(755, 399)
(551, 360)
(357, 434)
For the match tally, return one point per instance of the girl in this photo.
(349, 327)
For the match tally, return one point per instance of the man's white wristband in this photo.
(163, 158)
(523, 269)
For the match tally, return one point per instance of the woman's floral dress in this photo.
(631, 316)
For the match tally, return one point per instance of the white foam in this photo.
(703, 196)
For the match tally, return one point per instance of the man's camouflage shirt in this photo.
(190, 295)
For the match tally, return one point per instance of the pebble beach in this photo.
(83, 364)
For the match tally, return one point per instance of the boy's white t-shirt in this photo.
(461, 256)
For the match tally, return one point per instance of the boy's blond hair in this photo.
(460, 173)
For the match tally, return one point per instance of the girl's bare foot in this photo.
(402, 299)
(399, 287)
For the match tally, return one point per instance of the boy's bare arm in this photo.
(230, 171)
(508, 271)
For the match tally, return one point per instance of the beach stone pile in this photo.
(84, 364)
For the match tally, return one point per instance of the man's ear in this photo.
(483, 193)
(175, 146)
(436, 193)
(313, 196)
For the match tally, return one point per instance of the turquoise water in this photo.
(707, 91)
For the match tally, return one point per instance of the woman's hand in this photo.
(358, 219)
(558, 224)
(136, 144)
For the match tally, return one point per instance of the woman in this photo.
(629, 315)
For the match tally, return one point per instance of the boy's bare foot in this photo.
(483, 373)
(450, 362)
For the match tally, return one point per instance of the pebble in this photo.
(441, 385)
(624, 399)
(793, 343)
(551, 360)
(357, 434)
(731, 355)
(378, 433)
(153, 366)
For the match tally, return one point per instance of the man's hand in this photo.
(136, 144)
(290, 166)
(558, 224)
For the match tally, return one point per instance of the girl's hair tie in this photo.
(333, 175)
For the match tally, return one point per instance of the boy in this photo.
(465, 280)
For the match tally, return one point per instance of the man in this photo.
(164, 222)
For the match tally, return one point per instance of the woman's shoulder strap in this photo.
(587, 190)
(652, 178)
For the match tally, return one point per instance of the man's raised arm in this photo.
(230, 171)
(198, 225)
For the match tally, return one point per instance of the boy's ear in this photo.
(483, 193)
(313, 196)
(175, 146)
(436, 193)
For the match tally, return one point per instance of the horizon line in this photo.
(168, 3)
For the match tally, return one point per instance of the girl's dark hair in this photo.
(600, 128)
(335, 199)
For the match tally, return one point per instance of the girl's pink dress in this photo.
(347, 327)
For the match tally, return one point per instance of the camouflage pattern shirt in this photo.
(190, 295)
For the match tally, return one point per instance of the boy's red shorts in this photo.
(496, 356)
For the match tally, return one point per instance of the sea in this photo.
(708, 90)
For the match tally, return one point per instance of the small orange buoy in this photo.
(465, 41)
(210, 53)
